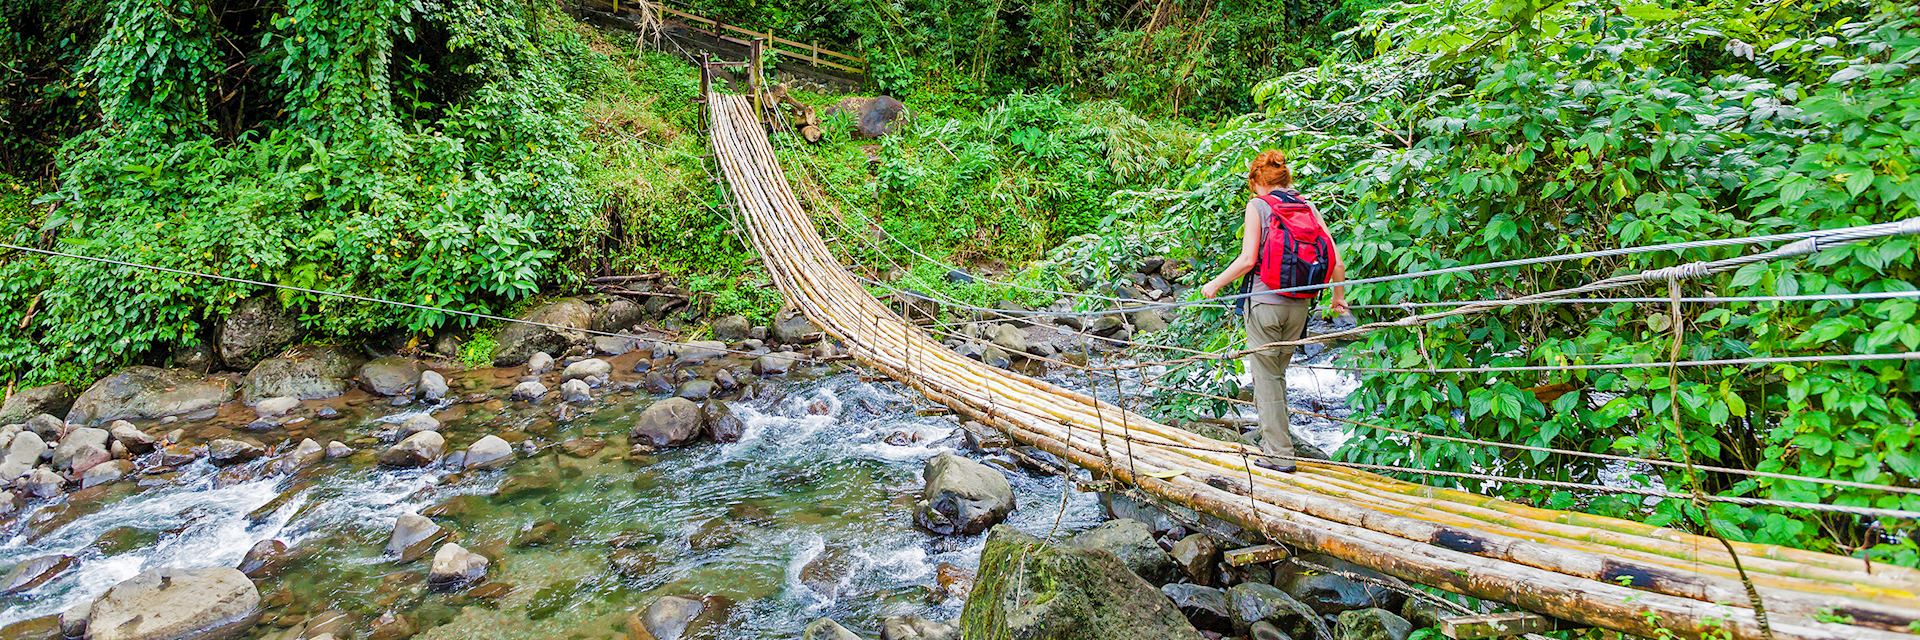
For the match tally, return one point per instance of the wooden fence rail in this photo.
(806, 51)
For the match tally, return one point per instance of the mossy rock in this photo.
(1031, 589)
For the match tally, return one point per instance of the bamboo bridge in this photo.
(1602, 572)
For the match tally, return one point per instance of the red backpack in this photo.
(1295, 250)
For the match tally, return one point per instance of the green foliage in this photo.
(478, 351)
(43, 99)
(1575, 127)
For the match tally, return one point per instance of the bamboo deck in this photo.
(1608, 573)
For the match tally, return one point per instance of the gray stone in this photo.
(104, 473)
(49, 427)
(454, 565)
(916, 628)
(699, 351)
(263, 558)
(576, 392)
(142, 392)
(338, 449)
(419, 422)
(667, 423)
(1205, 607)
(309, 373)
(518, 341)
(873, 117)
(1007, 337)
(1330, 594)
(529, 391)
(390, 376)
(774, 363)
(54, 399)
(176, 603)
(306, 454)
(130, 436)
(1030, 588)
(257, 328)
(827, 629)
(33, 573)
(962, 497)
(669, 617)
(1253, 602)
(489, 452)
(1266, 631)
(695, 390)
(73, 452)
(1107, 325)
(42, 483)
(1195, 555)
(618, 315)
(417, 450)
(1150, 321)
(432, 386)
(1371, 624)
(731, 328)
(23, 453)
(721, 423)
(276, 406)
(794, 329)
(588, 370)
(1132, 542)
(539, 363)
(615, 345)
(412, 535)
(225, 451)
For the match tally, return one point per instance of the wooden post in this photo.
(814, 45)
(706, 76)
(754, 81)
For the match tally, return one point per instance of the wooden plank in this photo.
(769, 35)
(1257, 554)
(1500, 625)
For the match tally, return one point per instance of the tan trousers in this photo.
(1273, 323)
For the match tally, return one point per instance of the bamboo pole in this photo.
(1292, 508)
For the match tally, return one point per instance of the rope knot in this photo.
(1909, 226)
(1688, 271)
(1799, 248)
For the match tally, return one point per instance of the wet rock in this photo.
(916, 628)
(1007, 337)
(588, 370)
(1205, 607)
(618, 315)
(391, 626)
(731, 328)
(721, 423)
(419, 422)
(306, 454)
(454, 565)
(1329, 594)
(33, 573)
(666, 423)
(132, 437)
(962, 497)
(175, 455)
(142, 392)
(724, 380)
(489, 452)
(614, 345)
(827, 629)
(390, 376)
(73, 621)
(326, 413)
(1149, 321)
(42, 483)
(432, 386)
(257, 328)
(952, 581)
(1422, 613)
(582, 447)
(1108, 325)
(1196, 555)
(1132, 542)
(1063, 592)
(994, 356)
(1266, 631)
(539, 363)
(633, 563)
(575, 392)
(412, 535)
(48, 427)
(309, 373)
(1371, 624)
(794, 329)
(105, 473)
(276, 406)
(53, 399)
(227, 451)
(668, 618)
(518, 341)
(417, 450)
(9, 502)
(264, 558)
(529, 391)
(176, 603)
(1252, 602)
(22, 454)
(658, 384)
(695, 390)
(775, 363)
(699, 351)
(338, 449)
(540, 534)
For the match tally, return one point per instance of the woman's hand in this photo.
(1209, 290)
(1339, 307)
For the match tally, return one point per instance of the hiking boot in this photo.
(1282, 466)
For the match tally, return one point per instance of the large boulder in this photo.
(142, 392)
(962, 497)
(23, 452)
(308, 373)
(52, 399)
(1032, 589)
(873, 117)
(80, 450)
(518, 341)
(618, 315)
(165, 604)
(391, 375)
(1330, 594)
(417, 450)
(593, 370)
(489, 452)
(1132, 542)
(794, 328)
(256, 329)
(1253, 602)
(667, 423)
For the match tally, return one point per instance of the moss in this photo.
(1030, 589)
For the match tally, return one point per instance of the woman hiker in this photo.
(1285, 244)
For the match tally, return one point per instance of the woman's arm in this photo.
(1249, 250)
(1339, 271)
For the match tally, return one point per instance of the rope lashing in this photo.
(1698, 270)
